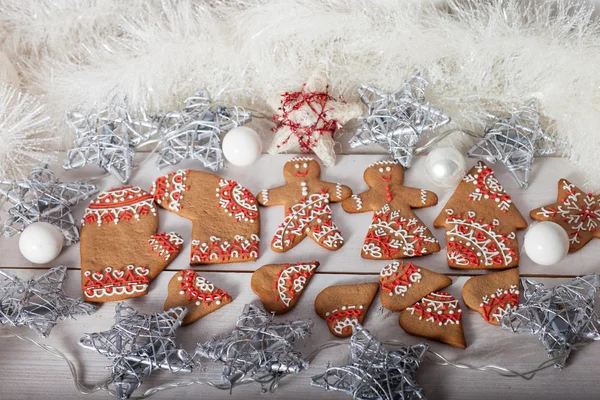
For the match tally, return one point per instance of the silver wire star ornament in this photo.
(38, 303)
(138, 344)
(515, 141)
(563, 317)
(374, 372)
(43, 198)
(397, 120)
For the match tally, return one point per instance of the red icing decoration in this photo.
(481, 177)
(499, 301)
(115, 281)
(192, 292)
(350, 313)
(383, 241)
(421, 308)
(457, 249)
(389, 283)
(232, 206)
(237, 249)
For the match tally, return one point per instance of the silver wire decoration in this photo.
(43, 198)
(563, 317)
(259, 349)
(374, 372)
(38, 303)
(397, 120)
(138, 344)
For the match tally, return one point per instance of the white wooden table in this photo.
(27, 372)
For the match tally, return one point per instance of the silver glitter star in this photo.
(195, 132)
(38, 302)
(515, 141)
(563, 317)
(138, 344)
(397, 120)
(258, 346)
(43, 198)
(374, 372)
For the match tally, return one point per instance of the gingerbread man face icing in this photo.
(395, 232)
(121, 252)
(306, 200)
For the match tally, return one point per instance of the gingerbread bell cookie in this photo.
(481, 223)
(279, 286)
(225, 217)
(493, 295)
(345, 306)
(306, 199)
(436, 316)
(395, 232)
(121, 252)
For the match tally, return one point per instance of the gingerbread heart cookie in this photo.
(121, 253)
(279, 286)
(225, 218)
(395, 232)
(345, 306)
(493, 295)
(437, 316)
(403, 284)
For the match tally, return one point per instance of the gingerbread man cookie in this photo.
(395, 232)
(306, 200)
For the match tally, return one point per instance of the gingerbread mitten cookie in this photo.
(226, 224)
(306, 200)
(279, 286)
(121, 253)
(481, 223)
(345, 306)
(396, 232)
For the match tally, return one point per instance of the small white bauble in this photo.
(546, 243)
(41, 242)
(445, 166)
(8, 73)
(242, 146)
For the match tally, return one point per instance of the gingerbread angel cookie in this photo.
(395, 232)
(121, 253)
(306, 200)
(226, 224)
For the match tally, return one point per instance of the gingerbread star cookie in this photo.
(577, 212)
(345, 306)
(395, 232)
(306, 200)
(279, 286)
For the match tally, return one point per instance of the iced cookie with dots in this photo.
(306, 199)
(121, 251)
(395, 232)
(224, 214)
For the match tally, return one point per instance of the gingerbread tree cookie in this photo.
(306, 200)
(395, 232)
(226, 224)
(481, 223)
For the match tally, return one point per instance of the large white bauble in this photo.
(8, 73)
(41, 242)
(445, 166)
(546, 243)
(242, 146)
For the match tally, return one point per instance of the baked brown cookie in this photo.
(403, 284)
(437, 316)
(225, 217)
(493, 295)
(121, 253)
(395, 232)
(345, 306)
(279, 286)
(481, 223)
(306, 199)
(200, 297)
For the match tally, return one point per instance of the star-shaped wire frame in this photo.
(515, 141)
(563, 317)
(43, 198)
(38, 303)
(374, 372)
(138, 344)
(195, 132)
(397, 120)
(259, 348)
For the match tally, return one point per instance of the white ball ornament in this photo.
(242, 146)
(445, 166)
(41, 242)
(546, 243)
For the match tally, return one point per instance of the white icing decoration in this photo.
(423, 196)
(265, 196)
(491, 183)
(358, 201)
(384, 162)
(338, 190)
(120, 195)
(297, 285)
(156, 245)
(441, 303)
(401, 289)
(500, 311)
(238, 197)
